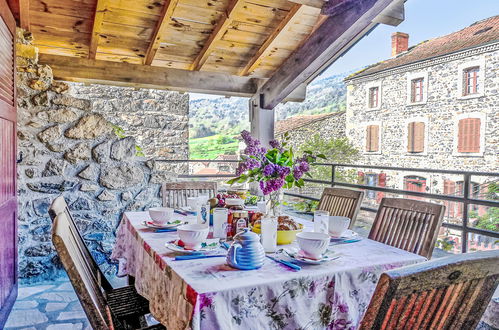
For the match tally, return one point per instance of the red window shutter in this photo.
(469, 135)
(375, 138)
(474, 135)
(418, 139)
(368, 138)
(410, 137)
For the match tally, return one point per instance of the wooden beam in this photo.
(24, 20)
(159, 30)
(218, 32)
(309, 3)
(348, 21)
(100, 10)
(145, 76)
(393, 15)
(283, 25)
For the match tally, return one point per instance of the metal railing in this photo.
(466, 199)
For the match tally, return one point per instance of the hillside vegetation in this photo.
(210, 119)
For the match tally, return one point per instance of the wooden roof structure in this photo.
(229, 47)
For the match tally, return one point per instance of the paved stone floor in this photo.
(47, 306)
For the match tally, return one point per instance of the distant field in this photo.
(211, 146)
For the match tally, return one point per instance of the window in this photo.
(417, 90)
(471, 81)
(415, 183)
(415, 137)
(468, 138)
(373, 97)
(372, 138)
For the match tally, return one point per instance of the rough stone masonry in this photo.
(86, 142)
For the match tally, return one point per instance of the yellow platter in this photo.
(283, 236)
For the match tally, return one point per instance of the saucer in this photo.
(172, 224)
(209, 245)
(299, 257)
(348, 234)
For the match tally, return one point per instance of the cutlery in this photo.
(346, 241)
(199, 256)
(165, 230)
(286, 263)
(225, 245)
(182, 212)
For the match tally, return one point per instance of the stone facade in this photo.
(441, 111)
(69, 143)
(327, 126)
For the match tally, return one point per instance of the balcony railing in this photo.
(464, 197)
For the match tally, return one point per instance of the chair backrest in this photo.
(408, 224)
(175, 193)
(81, 271)
(447, 293)
(341, 202)
(59, 206)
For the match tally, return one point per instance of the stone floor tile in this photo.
(25, 317)
(55, 306)
(59, 296)
(25, 304)
(65, 286)
(28, 291)
(65, 326)
(75, 306)
(71, 315)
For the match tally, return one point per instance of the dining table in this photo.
(209, 294)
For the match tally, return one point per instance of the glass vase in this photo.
(275, 202)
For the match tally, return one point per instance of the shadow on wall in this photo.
(65, 146)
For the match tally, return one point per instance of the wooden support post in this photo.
(24, 14)
(100, 9)
(262, 122)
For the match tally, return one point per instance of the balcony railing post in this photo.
(333, 174)
(466, 197)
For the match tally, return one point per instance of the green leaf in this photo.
(232, 181)
(322, 156)
(309, 175)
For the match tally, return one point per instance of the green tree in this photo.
(224, 139)
(336, 150)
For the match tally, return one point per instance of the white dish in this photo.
(209, 245)
(338, 225)
(299, 257)
(173, 224)
(312, 244)
(160, 215)
(193, 235)
(348, 234)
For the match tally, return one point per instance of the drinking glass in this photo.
(220, 215)
(321, 222)
(269, 234)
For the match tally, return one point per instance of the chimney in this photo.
(400, 43)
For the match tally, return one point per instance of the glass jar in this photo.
(240, 220)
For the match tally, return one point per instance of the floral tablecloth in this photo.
(208, 294)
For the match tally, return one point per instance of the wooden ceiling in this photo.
(237, 37)
(250, 47)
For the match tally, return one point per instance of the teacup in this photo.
(160, 215)
(312, 244)
(338, 225)
(193, 235)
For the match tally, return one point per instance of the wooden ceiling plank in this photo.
(100, 10)
(283, 25)
(24, 19)
(224, 22)
(159, 31)
(348, 21)
(309, 3)
(137, 75)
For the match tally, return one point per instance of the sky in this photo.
(424, 19)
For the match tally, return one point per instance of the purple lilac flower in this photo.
(304, 166)
(297, 173)
(269, 169)
(275, 144)
(252, 163)
(282, 171)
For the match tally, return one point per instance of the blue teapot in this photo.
(246, 252)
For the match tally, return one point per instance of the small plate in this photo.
(348, 234)
(209, 245)
(297, 256)
(173, 224)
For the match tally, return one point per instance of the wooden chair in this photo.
(341, 202)
(447, 293)
(175, 193)
(408, 224)
(105, 307)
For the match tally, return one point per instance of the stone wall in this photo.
(329, 127)
(68, 143)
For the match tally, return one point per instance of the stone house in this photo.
(433, 105)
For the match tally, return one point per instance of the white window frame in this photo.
(414, 76)
(426, 136)
(379, 123)
(480, 63)
(483, 123)
(368, 87)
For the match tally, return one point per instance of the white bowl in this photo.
(160, 215)
(338, 225)
(312, 244)
(193, 235)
